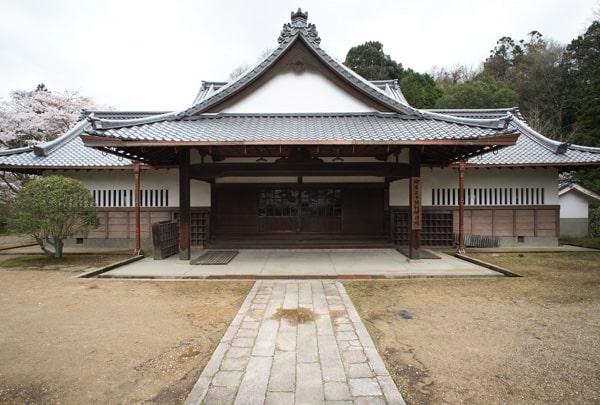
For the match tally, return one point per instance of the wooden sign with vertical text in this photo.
(415, 203)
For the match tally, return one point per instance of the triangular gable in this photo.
(296, 77)
(306, 91)
(588, 194)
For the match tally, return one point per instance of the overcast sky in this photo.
(153, 55)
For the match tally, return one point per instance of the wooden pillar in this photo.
(416, 215)
(461, 207)
(138, 240)
(184, 204)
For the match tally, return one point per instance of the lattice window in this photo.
(126, 197)
(278, 202)
(322, 202)
(313, 202)
(485, 196)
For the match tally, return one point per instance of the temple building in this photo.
(300, 151)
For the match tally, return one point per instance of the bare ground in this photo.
(73, 341)
(530, 340)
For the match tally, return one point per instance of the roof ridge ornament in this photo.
(297, 25)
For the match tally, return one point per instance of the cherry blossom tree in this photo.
(31, 117)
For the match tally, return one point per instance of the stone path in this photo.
(296, 342)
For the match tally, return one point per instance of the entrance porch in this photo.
(306, 264)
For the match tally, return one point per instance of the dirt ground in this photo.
(73, 341)
(530, 340)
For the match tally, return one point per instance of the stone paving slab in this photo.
(295, 342)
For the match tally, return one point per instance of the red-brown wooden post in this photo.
(184, 204)
(461, 207)
(138, 242)
(416, 214)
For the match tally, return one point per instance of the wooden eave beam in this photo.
(214, 170)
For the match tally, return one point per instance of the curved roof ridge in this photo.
(466, 111)
(16, 151)
(100, 124)
(43, 149)
(500, 122)
(582, 148)
(554, 146)
(202, 104)
(368, 87)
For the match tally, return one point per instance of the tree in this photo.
(536, 78)
(445, 78)
(505, 54)
(369, 61)
(419, 89)
(579, 69)
(483, 92)
(52, 209)
(532, 69)
(581, 87)
(30, 117)
(587, 126)
(37, 116)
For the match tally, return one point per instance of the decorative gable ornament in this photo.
(299, 25)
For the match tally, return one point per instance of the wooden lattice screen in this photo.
(437, 228)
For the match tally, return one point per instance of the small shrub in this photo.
(52, 209)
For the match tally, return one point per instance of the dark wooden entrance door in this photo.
(298, 212)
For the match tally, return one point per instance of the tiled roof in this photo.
(589, 194)
(532, 148)
(391, 88)
(67, 151)
(358, 127)
(194, 124)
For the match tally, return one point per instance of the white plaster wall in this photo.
(573, 205)
(399, 193)
(479, 178)
(291, 92)
(517, 177)
(149, 179)
(96, 179)
(199, 194)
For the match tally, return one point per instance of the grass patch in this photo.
(592, 243)
(552, 277)
(41, 261)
